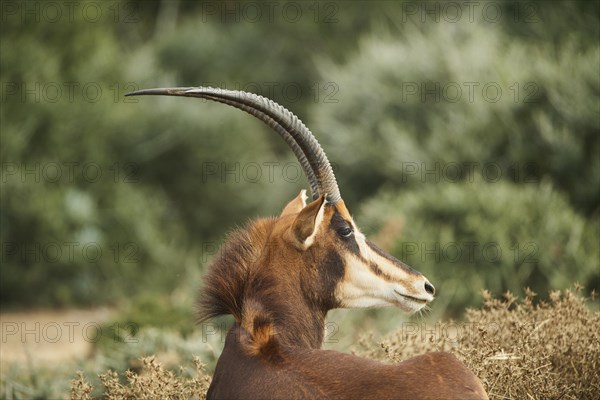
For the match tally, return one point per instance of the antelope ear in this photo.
(296, 205)
(306, 225)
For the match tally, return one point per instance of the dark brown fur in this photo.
(322, 374)
(227, 279)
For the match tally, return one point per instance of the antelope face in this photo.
(372, 277)
(366, 275)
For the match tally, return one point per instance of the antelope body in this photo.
(279, 277)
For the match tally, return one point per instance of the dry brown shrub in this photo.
(152, 382)
(80, 388)
(520, 349)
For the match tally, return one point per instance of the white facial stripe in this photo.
(361, 240)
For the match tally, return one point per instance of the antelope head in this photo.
(313, 248)
(326, 237)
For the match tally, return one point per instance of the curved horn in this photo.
(307, 149)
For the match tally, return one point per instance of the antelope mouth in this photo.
(412, 298)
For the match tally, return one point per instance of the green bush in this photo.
(500, 236)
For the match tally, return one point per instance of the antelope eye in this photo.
(345, 232)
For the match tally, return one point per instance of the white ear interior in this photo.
(318, 220)
(304, 197)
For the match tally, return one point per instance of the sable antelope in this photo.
(279, 277)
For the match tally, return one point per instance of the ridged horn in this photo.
(305, 146)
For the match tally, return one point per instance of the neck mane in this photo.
(242, 281)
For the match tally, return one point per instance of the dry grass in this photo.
(521, 349)
(152, 382)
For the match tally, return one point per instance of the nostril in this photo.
(429, 288)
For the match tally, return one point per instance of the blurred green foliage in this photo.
(498, 236)
(106, 200)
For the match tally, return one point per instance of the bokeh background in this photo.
(465, 138)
